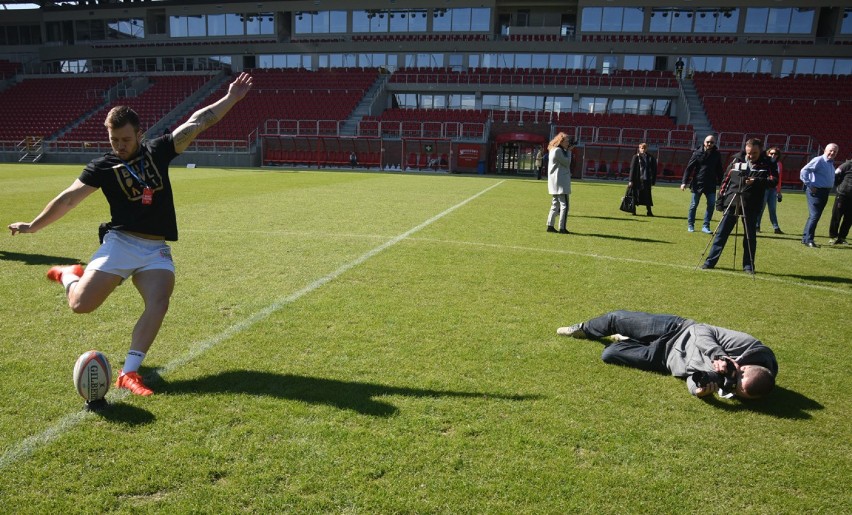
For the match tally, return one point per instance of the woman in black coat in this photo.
(643, 175)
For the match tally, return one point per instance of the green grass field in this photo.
(373, 343)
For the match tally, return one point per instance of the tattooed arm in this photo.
(206, 117)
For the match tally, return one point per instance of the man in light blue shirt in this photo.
(818, 178)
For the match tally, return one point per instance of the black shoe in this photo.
(564, 231)
(550, 228)
(757, 229)
(778, 231)
(650, 214)
(706, 266)
(749, 270)
(811, 245)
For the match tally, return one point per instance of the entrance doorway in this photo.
(519, 153)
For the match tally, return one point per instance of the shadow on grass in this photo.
(618, 237)
(122, 413)
(781, 403)
(624, 217)
(348, 395)
(830, 279)
(36, 259)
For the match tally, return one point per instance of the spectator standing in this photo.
(706, 164)
(749, 174)
(538, 162)
(559, 180)
(679, 68)
(353, 159)
(841, 213)
(643, 175)
(818, 178)
(773, 195)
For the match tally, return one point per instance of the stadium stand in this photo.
(775, 108)
(524, 71)
(8, 69)
(154, 103)
(42, 107)
(323, 98)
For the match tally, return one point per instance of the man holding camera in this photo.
(706, 164)
(710, 358)
(741, 196)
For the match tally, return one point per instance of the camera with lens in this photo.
(742, 168)
(572, 142)
(726, 382)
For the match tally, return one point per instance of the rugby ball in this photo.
(92, 375)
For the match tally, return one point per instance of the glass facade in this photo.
(213, 25)
(123, 29)
(319, 22)
(661, 19)
(846, 22)
(795, 21)
(556, 104)
(476, 19)
(612, 19)
(709, 21)
(779, 20)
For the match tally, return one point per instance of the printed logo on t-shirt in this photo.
(131, 183)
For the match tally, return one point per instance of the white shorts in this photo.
(123, 254)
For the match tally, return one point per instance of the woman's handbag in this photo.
(628, 203)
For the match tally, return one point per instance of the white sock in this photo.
(133, 361)
(68, 279)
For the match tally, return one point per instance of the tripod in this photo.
(739, 213)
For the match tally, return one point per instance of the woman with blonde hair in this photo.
(559, 180)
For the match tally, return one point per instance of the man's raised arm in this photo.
(208, 116)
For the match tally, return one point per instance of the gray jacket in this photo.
(559, 172)
(695, 346)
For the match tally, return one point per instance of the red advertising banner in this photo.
(467, 155)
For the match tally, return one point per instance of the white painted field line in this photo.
(31, 443)
(758, 276)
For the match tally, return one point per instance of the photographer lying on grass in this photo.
(710, 358)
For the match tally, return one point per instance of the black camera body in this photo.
(727, 382)
(742, 168)
(755, 170)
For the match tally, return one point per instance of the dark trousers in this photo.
(841, 217)
(726, 225)
(648, 336)
(817, 199)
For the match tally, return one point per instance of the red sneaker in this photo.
(55, 273)
(132, 381)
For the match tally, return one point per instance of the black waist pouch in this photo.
(102, 230)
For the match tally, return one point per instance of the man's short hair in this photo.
(120, 116)
(754, 142)
(758, 381)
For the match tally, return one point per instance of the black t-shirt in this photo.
(123, 182)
